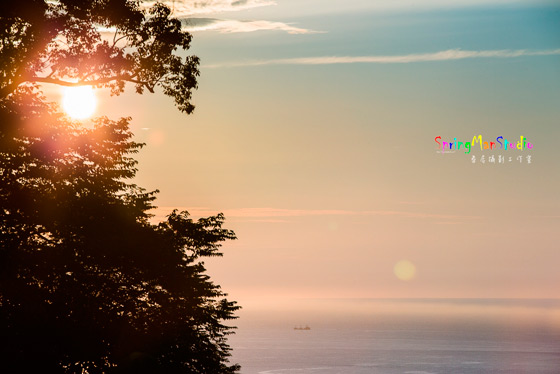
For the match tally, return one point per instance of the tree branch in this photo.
(127, 78)
(61, 82)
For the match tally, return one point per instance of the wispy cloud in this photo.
(412, 202)
(187, 10)
(448, 55)
(233, 26)
(272, 214)
(184, 8)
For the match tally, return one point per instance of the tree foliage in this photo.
(86, 281)
(88, 284)
(104, 43)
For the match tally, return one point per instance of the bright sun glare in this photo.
(79, 102)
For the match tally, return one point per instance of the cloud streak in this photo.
(273, 214)
(447, 55)
(234, 26)
(185, 8)
(188, 10)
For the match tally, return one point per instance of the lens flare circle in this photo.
(405, 270)
(79, 102)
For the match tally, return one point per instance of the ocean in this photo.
(402, 336)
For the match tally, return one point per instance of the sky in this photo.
(314, 133)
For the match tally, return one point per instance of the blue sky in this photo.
(329, 172)
(394, 33)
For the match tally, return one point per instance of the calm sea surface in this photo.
(419, 337)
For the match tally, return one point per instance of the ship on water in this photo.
(302, 328)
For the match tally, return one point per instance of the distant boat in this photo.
(302, 328)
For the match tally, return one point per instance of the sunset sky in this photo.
(314, 133)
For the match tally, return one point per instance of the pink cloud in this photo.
(268, 214)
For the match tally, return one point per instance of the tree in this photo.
(104, 43)
(88, 284)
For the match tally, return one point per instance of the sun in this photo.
(79, 102)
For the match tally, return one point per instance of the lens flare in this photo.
(79, 102)
(405, 270)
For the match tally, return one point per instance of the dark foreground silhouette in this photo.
(86, 281)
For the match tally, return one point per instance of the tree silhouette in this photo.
(103, 43)
(87, 283)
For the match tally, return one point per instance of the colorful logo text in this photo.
(501, 143)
